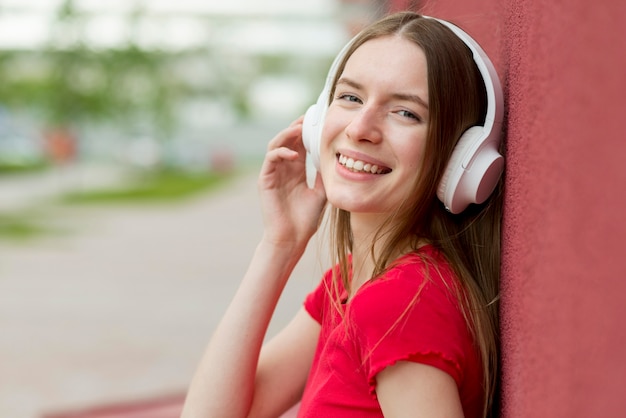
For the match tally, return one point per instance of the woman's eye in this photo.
(349, 98)
(407, 114)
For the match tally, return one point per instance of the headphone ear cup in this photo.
(451, 176)
(472, 173)
(311, 133)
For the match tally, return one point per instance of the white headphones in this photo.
(475, 165)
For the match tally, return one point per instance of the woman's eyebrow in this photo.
(351, 83)
(411, 98)
(399, 96)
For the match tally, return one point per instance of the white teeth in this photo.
(359, 166)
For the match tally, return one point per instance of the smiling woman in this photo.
(405, 323)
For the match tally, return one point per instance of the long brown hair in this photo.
(470, 241)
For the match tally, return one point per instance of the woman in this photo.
(406, 323)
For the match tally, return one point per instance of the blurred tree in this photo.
(122, 82)
(68, 83)
(71, 83)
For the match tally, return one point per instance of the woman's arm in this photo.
(416, 390)
(284, 366)
(225, 383)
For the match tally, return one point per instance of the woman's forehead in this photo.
(392, 60)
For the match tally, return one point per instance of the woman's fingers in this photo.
(277, 155)
(282, 153)
(275, 170)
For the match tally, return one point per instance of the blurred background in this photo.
(160, 82)
(130, 135)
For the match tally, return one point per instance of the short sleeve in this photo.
(410, 314)
(315, 302)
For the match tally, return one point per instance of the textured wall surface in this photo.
(564, 261)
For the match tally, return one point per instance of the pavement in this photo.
(120, 308)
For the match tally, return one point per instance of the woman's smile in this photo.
(360, 166)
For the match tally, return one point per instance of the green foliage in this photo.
(7, 167)
(160, 186)
(20, 227)
(270, 63)
(164, 186)
(67, 83)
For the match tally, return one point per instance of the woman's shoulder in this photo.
(422, 280)
(413, 305)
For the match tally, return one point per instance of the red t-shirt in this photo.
(411, 313)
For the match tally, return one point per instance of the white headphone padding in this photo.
(471, 182)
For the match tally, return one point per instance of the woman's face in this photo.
(375, 129)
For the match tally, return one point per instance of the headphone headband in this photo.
(495, 108)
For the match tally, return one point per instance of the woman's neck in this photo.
(365, 229)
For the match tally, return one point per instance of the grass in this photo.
(161, 186)
(20, 227)
(157, 187)
(7, 167)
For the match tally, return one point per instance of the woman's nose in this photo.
(365, 125)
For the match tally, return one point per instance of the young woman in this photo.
(405, 325)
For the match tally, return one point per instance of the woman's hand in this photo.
(291, 210)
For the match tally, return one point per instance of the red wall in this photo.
(563, 66)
